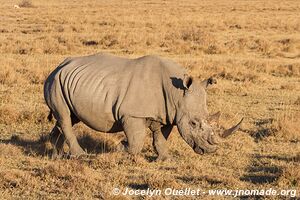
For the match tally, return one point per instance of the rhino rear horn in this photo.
(228, 132)
(214, 117)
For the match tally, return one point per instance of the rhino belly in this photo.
(102, 123)
(97, 119)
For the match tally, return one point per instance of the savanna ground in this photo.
(252, 47)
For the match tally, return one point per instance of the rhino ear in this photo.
(187, 81)
(208, 82)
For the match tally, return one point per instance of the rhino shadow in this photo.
(263, 129)
(99, 146)
(261, 172)
(42, 147)
(287, 158)
(29, 146)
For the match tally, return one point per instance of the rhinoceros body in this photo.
(101, 89)
(112, 94)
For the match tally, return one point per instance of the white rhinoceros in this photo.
(112, 94)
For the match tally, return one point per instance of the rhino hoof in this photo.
(81, 156)
(135, 158)
(56, 155)
(162, 158)
(121, 148)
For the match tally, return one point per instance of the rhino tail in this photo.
(50, 116)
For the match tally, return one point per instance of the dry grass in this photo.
(252, 47)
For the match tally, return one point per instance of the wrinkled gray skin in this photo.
(112, 94)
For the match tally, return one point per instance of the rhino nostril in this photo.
(198, 150)
(213, 139)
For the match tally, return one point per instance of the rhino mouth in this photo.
(205, 148)
(201, 150)
(198, 150)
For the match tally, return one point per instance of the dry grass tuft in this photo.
(12, 179)
(290, 177)
(297, 102)
(9, 150)
(26, 4)
(288, 127)
(153, 180)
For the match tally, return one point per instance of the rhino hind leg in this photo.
(57, 140)
(66, 127)
(135, 131)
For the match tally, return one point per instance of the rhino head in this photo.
(193, 120)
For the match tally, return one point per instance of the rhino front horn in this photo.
(228, 132)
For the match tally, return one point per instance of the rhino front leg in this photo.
(160, 136)
(135, 131)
